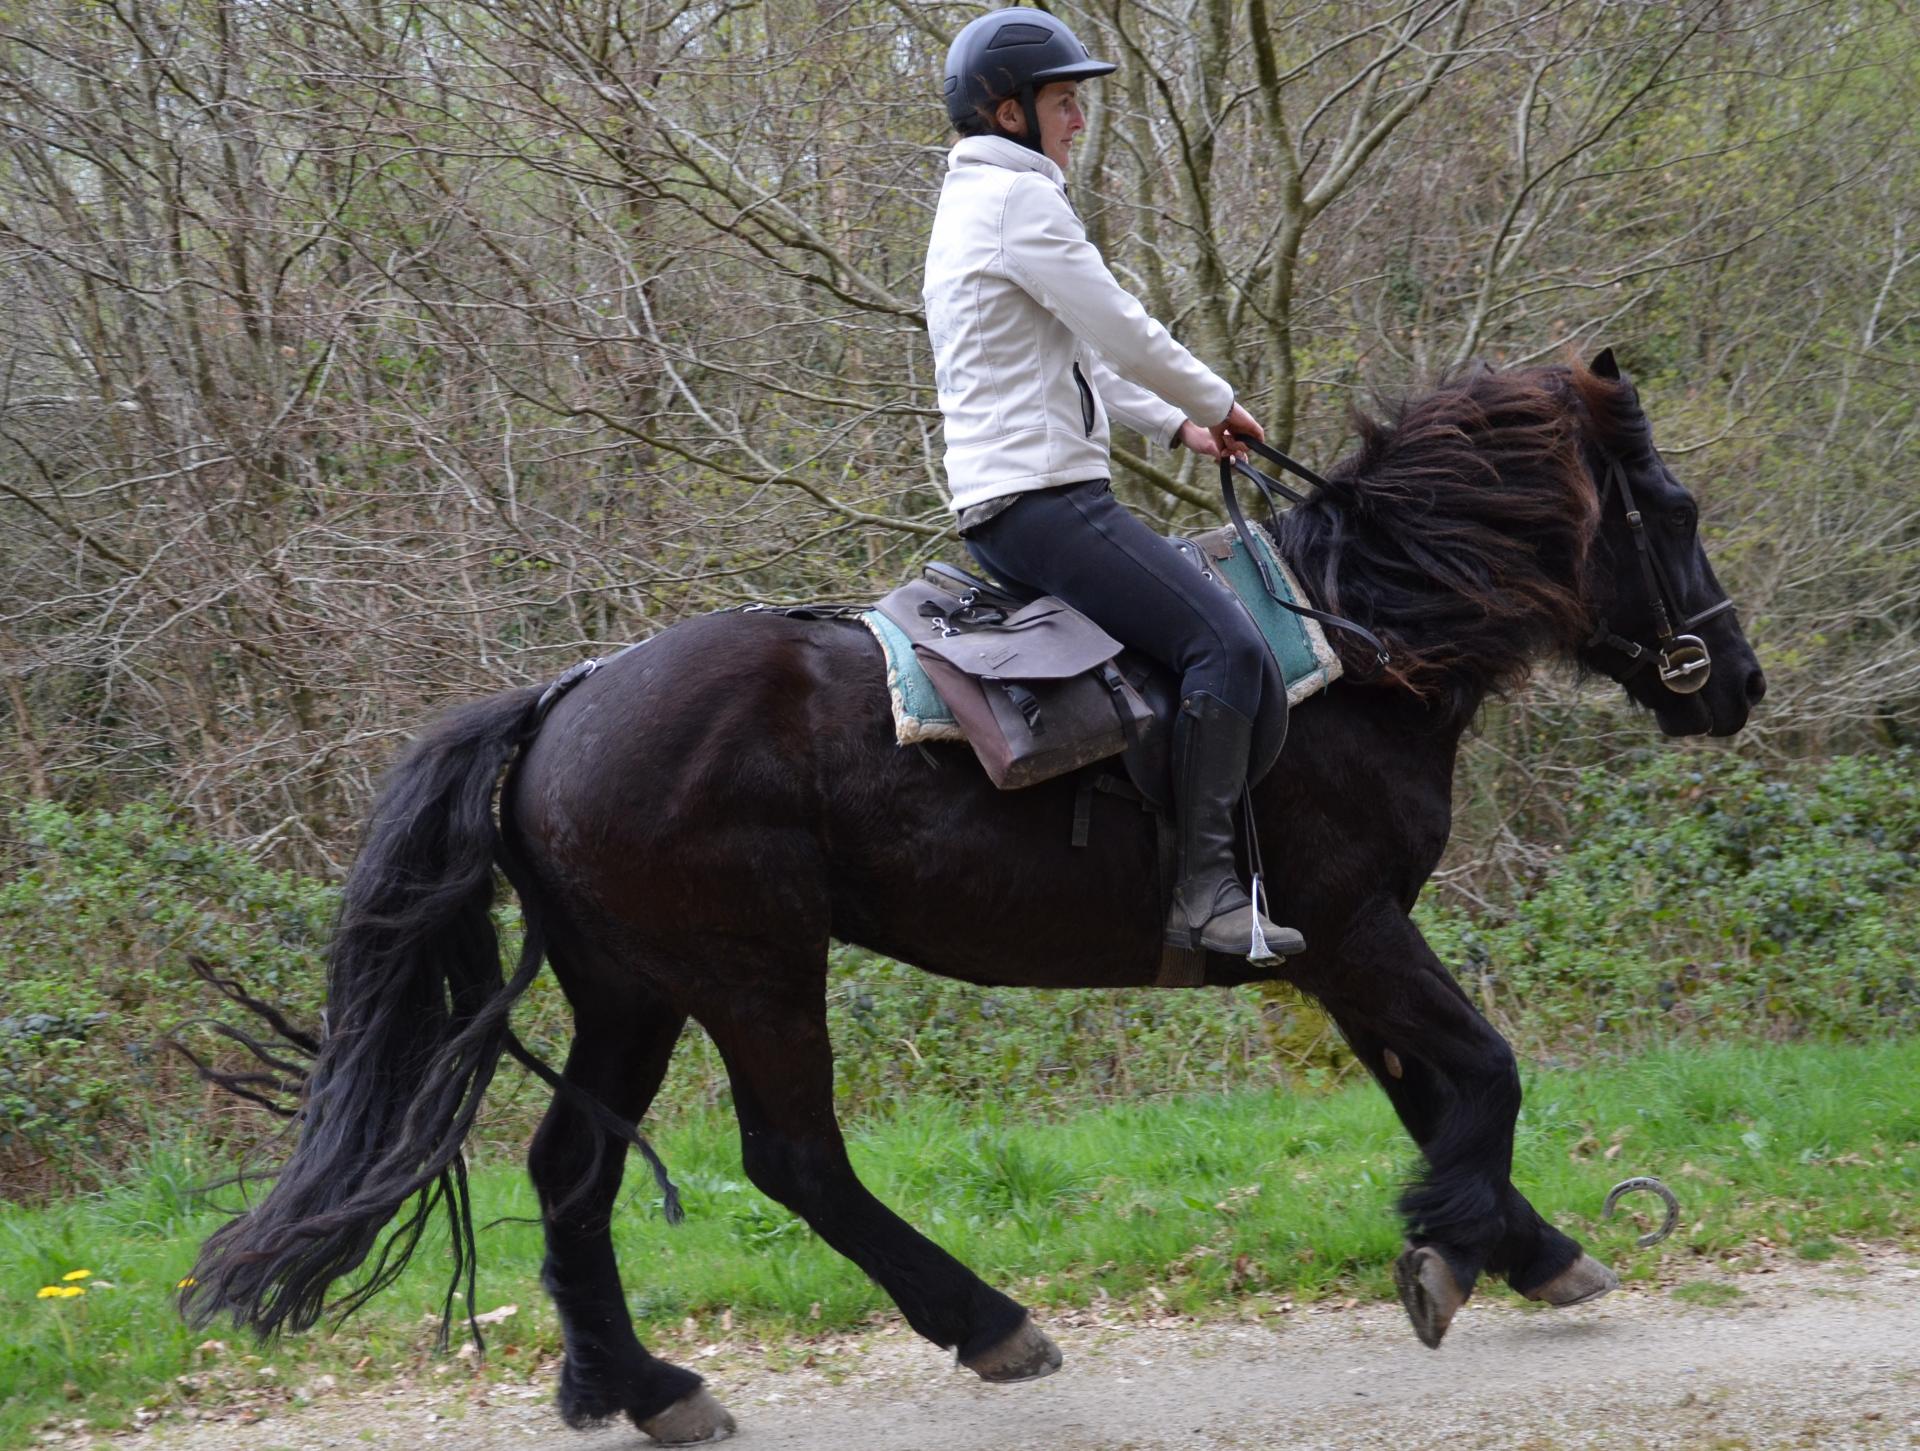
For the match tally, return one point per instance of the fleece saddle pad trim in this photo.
(1307, 662)
(919, 714)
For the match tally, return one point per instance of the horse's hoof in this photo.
(1583, 1280)
(1429, 1291)
(690, 1421)
(1024, 1355)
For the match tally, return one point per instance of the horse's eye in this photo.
(1682, 518)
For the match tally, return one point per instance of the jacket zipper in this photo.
(1086, 399)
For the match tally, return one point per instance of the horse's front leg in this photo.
(1456, 1086)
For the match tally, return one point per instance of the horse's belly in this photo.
(956, 877)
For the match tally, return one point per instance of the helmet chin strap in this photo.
(1031, 140)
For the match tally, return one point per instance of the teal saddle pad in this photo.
(1306, 660)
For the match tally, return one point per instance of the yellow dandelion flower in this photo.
(187, 1284)
(48, 1292)
(77, 1275)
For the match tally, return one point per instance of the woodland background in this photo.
(361, 356)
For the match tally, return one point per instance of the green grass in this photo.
(1713, 1294)
(1201, 1204)
(1818, 1248)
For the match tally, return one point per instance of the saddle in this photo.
(1034, 686)
(1039, 690)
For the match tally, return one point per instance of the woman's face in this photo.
(1061, 119)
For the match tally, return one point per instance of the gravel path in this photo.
(1803, 1355)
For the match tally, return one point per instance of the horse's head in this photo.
(1663, 627)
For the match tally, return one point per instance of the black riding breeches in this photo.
(1080, 544)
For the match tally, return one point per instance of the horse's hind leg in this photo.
(780, 1062)
(619, 1058)
(1456, 1086)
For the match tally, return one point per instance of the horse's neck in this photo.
(1364, 789)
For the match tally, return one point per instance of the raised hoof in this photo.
(1583, 1280)
(690, 1421)
(1024, 1355)
(1430, 1293)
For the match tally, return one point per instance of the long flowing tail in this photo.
(417, 1008)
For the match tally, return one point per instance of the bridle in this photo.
(1683, 660)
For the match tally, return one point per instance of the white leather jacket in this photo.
(1034, 342)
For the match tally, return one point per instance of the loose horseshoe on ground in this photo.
(1628, 1186)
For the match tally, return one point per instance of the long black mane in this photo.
(1460, 530)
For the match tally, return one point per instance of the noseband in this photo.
(1682, 658)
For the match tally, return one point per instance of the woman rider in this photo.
(1034, 345)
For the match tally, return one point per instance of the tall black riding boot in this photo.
(1211, 909)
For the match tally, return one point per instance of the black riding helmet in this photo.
(1013, 53)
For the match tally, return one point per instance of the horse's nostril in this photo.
(1756, 686)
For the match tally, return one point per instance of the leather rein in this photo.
(1268, 487)
(1684, 662)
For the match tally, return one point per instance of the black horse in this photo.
(691, 826)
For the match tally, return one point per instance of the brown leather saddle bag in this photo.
(1036, 688)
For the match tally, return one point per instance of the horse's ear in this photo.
(1605, 365)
